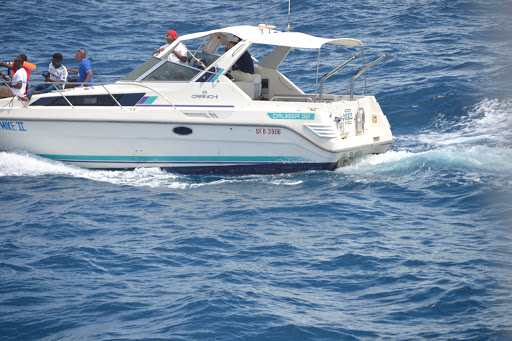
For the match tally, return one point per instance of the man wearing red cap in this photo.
(179, 54)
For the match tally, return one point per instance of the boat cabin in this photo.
(268, 83)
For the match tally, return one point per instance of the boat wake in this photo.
(25, 164)
(475, 144)
(13, 164)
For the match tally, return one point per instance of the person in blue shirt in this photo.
(84, 69)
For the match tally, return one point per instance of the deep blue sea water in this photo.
(409, 245)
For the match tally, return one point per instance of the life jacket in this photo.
(28, 76)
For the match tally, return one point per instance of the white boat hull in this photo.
(211, 147)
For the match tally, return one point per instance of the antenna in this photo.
(289, 6)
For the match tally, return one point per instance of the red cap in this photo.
(173, 33)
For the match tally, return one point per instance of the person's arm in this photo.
(158, 50)
(7, 65)
(180, 56)
(224, 40)
(87, 78)
(17, 86)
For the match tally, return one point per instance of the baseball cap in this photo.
(173, 33)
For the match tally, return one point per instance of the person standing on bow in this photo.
(84, 70)
(179, 54)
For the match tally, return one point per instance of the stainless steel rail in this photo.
(329, 74)
(363, 71)
(64, 92)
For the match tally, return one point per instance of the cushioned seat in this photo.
(252, 89)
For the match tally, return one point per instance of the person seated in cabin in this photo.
(243, 69)
(18, 85)
(11, 70)
(84, 70)
(56, 73)
(179, 54)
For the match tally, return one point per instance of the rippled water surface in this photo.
(412, 244)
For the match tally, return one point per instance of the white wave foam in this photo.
(474, 158)
(488, 122)
(24, 164)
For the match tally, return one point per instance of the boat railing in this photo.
(71, 85)
(294, 98)
(359, 73)
(329, 74)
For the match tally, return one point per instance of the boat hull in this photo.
(176, 146)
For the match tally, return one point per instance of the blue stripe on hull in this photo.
(253, 169)
(200, 164)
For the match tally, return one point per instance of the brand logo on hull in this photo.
(204, 95)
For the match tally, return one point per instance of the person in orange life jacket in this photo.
(18, 85)
(11, 70)
(84, 70)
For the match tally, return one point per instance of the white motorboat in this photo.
(187, 119)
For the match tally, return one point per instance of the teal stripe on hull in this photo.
(92, 158)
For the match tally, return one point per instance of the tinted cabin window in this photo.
(91, 100)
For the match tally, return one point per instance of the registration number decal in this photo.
(268, 131)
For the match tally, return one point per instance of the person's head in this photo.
(233, 40)
(171, 36)
(57, 60)
(23, 57)
(80, 54)
(18, 63)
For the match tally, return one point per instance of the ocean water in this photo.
(412, 244)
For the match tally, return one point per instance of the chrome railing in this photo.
(329, 74)
(66, 91)
(359, 73)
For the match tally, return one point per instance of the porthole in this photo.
(182, 130)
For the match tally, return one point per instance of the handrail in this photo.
(67, 100)
(357, 74)
(14, 95)
(103, 85)
(96, 84)
(329, 74)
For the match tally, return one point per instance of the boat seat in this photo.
(252, 89)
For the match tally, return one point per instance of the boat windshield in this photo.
(170, 71)
(167, 71)
(141, 69)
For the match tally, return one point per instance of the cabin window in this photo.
(91, 100)
(172, 72)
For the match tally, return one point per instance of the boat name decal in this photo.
(290, 116)
(205, 95)
(13, 126)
